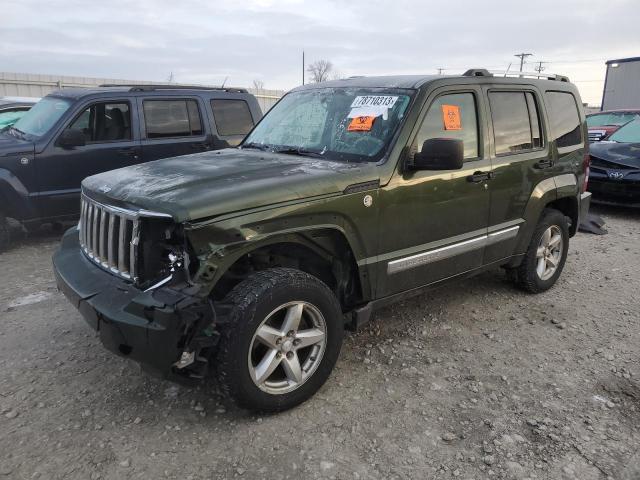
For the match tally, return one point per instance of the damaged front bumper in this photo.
(156, 328)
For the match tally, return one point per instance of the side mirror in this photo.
(439, 154)
(72, 137)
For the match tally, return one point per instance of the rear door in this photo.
(172, 126)
(521, 158)
(433, 224)
(232, 121)
(110, 131)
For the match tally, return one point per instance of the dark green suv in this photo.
(347, 196)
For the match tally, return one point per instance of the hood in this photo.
(207, 184)
(10, 145)
(623, 154)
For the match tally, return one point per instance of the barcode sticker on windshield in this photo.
(374, 101)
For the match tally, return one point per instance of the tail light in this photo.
(586, 167)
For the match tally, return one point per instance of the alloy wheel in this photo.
(287, 347)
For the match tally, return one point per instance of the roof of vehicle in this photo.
(76, 93)
(417, 81)
(619, 110)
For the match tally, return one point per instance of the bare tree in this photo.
(258, 84)
(319, 71)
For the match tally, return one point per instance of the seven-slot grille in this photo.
(109, 236)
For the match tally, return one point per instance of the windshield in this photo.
(630, 133)
(346, 124)
(42, 116)
(614, 119)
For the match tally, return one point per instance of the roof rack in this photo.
(481, 72)
(151, 88)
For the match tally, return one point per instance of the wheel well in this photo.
(569, 207)
(326, 256)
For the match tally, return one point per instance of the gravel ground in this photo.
(472, 381)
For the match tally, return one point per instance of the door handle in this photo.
(479, 176)
(200, 146)
(129, 152)
(544, 164)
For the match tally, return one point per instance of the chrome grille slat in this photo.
(111, 241)
(122, 266)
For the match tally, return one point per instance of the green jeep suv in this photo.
(347, 196)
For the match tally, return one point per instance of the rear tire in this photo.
(546, 254)
(281, 340)
(5, 233)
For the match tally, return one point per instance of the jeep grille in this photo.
(110, 236)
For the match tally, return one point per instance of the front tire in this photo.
(546, 254)
(282, 339)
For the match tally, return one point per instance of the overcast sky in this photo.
(205, 41)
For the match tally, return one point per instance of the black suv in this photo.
(73, 133)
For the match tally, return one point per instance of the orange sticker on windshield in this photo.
(361, 124)
(451, 117)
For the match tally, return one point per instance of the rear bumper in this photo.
(148, 327)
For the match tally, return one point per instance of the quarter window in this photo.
(232, 117)
(104, 122)
(515, 129)
(565, 119)
(452, 116)
(171, 118)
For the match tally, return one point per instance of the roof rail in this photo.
(151, 88)
(538, 75)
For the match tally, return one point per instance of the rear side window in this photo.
(232, 117)
(516, 122)
(452, 115)
(565, 119)
(171, 118)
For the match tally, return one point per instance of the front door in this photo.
(434, 223)
(111, 142)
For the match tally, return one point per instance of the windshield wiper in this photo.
(303, 152)
(257, 146)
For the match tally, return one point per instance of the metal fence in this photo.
(36, 85)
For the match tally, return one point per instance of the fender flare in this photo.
(545, 192)
(14, 197)
(218, 261)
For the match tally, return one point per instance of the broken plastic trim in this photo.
(160, 283)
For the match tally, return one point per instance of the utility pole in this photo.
(540, 68)
(302, 67)
(522, 56)
(440, 70)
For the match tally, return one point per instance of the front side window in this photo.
(630, 133)
(42, 116)
(344, 124)
(565, 119)
(452, 116)
(232, 117)
(104, 122)
(9, 117)
(513, 129)
(171, 118)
